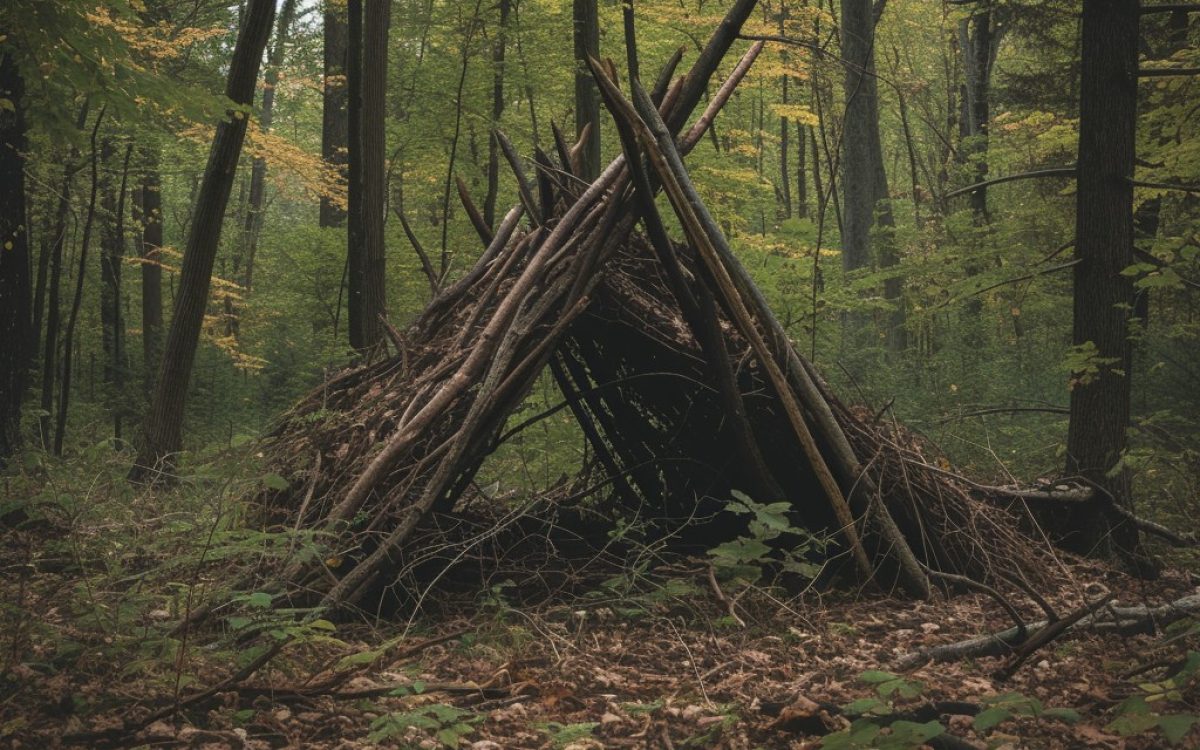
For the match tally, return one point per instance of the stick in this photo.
(481, 226)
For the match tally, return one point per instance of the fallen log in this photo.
(1108, 619)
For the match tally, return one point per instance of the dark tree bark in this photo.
(164, 421)
(356, 241)
(785, 172)
(243, 258)
(1100, 398)
(150, 215)
(110, 270)
(334, 126)
(493, 165)
(112, 257)
(979, 41)
(867, 212)
(64, 394)
(801, 173)
(586, 20)
(16, 290)
(53, 305)
(368, 151)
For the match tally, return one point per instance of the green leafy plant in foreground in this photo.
(1151, 707)
(447, 724)
(746, 557)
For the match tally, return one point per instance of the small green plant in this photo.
(747, 557)
(1153, 706)
(874, 716)
(447, 724)
(1001, 708)
(562, 735)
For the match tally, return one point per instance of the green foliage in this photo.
(746, 557)
(1163, 705)
(562, 735)
(447, 724)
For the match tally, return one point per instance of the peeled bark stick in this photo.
(687, 207)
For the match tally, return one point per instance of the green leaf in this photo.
(1068, 715)
(909, 734)
(863, 706)
(1175, 727)
(874, 676)
(990, 717)
(275, 482)
(259, 600)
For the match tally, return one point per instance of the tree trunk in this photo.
(334, 127)
(151, 216)
(801, 175)
(64, 394)
(15, 281)
(243, 257)
(785, 172)
(493, 165)
(587, 96)
(110, 270)
(1100, 393)
(164, 421)
(864, 180)
(356, 242)
(376, 21)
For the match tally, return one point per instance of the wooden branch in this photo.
(1168, 185)
(1176, 538)
(631, 54)
(1111, 619)
(1031, 175)
(1146, 10)
(1047, 634)
(1028, 276)
(481, 226)
(562, 148)
(514, 161)
(980, 586)
(426, 266)
(663, 82)
(1165, 72)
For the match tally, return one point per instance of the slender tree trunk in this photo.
(151, 217)
(64, 394)
(1100, 393)
(356, 241)
(801, 173)
(110, 258)
(493, 165)
(587, 96)
(334, 127)
(164, 422)
(243, 263)
(376, 21)
(867, 209)
(978, 41)
(16, 291)
(785, 172)
(39, 286)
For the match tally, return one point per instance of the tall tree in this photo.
(243, 262)
(16, 292)
(867, 211)
(1103, 297)
(586, 19)
(164, 421)
(367, 80)
(978, 40)
(334, 126)
(150, 215)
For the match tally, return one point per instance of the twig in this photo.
(724, 600)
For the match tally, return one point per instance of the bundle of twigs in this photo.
(382, 446)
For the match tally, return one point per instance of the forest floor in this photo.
(665, 669)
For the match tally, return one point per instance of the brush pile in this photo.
(682, 380)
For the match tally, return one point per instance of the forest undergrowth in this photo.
(640, 648)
